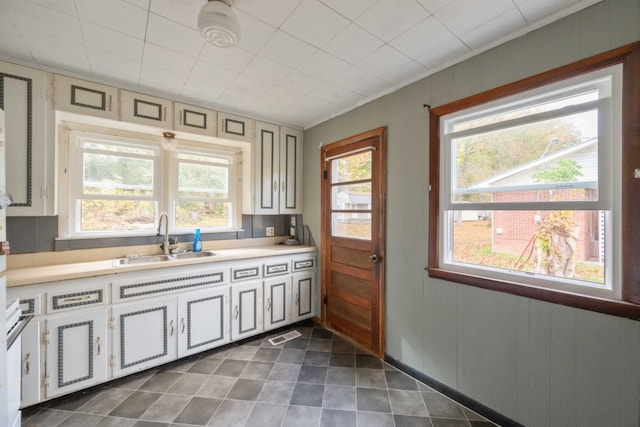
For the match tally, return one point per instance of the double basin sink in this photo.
(142, 259)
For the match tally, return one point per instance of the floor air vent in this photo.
(284, 337)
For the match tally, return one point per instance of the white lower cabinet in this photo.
(303, 287)
(246, 311)
(277, 302)
(76, 352)
(144, 335)
(30, 364)
(203, 320)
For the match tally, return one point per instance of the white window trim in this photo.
(610, 184)
(164, 176)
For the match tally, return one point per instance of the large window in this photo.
(528, 189)
(119, 184)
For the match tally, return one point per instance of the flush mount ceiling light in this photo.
(168, 141)
(219, 24)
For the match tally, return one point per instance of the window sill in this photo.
(601, 305)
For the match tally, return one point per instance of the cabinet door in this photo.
(194, 119)
(303, 290)
(277, 302)
(76, 352)
(203, 320)
(235, 127)
(28, 144)
(79, 96)
(146, 110)
(144, 335)
(290, 171)
(267, 169)
(31, 364)
(246, 309)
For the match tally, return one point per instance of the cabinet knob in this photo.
(171, 328)
(182, 325)
(27, 364)
(98, 346)
(235, 314)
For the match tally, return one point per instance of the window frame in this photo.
(165, 173)
(629, 304)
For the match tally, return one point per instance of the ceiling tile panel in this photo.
(184, 12)
(58, 53)
(434, 5)
(213, 74)
(110, 41)
(495, 29)
(314, 23)
(267, 11)
(425, 36)
(115, 14)
(255, 33)
(28, 17)
(360, 81)
(68, 7)
(300, 81)
(143, 4)
(234, 59)
(159, 78)
(384, 61)
(352, 44)
(108, 66)
(534, 10)
(160, 57)
(202, 92)
(174, 36)
(462, 16)
(249, 86)
(330, 92)
(14, 47)
(287, 50)
(323, 65)
(265, 69)
(350, 9)
(442, 55)
(387, 19)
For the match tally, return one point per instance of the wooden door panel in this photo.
(353, 209)
(358, 258)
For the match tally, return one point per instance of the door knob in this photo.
(375, 258)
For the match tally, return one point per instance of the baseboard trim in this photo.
(470, 403)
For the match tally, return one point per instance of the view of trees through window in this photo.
(529, 162)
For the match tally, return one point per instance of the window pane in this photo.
(203, 158)
(116, 215)
(351, 168)
(123, 149)
(352, 196)
(112, 174)
(351, 225)
(197, 180)
(203, 214)
(556, 243)
(545, 154)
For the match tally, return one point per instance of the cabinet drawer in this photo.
(136, 289)
(31, 304)
(245, 273)
(73, 299)
(303, 264)
(276, 268)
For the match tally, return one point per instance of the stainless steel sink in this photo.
(191, 255)
(140, 259)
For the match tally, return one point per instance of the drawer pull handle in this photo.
(298, 299)
(236, 312)
(182, 325)
(98, 346)
(171, 328)
(268, 304)
(27, 364)
(76, 299)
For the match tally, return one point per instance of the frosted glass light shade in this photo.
(219, 24)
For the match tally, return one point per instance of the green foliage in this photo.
(564, 171)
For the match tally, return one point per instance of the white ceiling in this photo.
(299, 62)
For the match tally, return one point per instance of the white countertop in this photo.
(51, 273)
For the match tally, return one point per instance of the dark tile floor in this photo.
(318, 379)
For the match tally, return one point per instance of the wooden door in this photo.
(353, 208)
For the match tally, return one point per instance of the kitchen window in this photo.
(527, 195)
(120, 182)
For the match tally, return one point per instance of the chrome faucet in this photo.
(166, 231)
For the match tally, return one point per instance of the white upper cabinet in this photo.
(290, 171)
(235, 127)
(189, 118)
(277, 170)
(79, 96)
(146, 110)
(24, 97)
